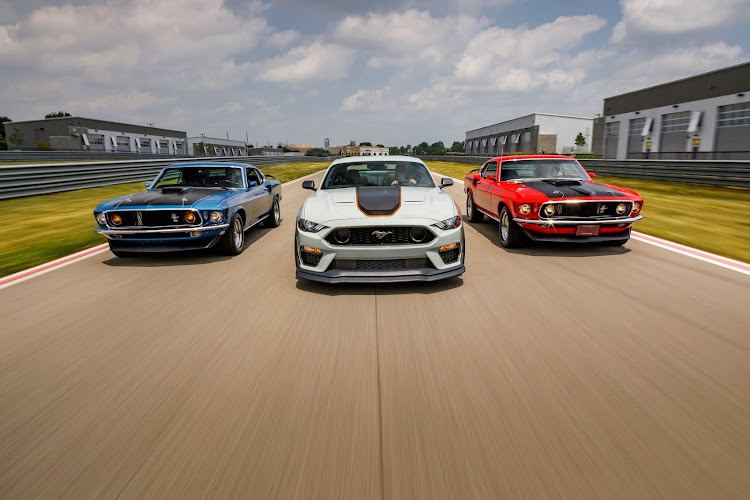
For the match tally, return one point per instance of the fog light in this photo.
(311, 249)
(550, 210)
(189, 217)
(621, 208)
(116, 220)
(445, 248)
(417, 234)
(524, 209)
(342, 236)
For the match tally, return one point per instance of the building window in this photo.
(164, 145)
(96, 139)
(636, 126)
(734, 115)
(123, 141)
(675, 122)
(613, 129)
(145, 143)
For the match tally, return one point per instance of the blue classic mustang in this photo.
(191, 206)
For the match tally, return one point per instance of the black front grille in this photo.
(392, 235)
(381, 265)
(153, 218)
(588, 209)
(449, 256)
(311, 259)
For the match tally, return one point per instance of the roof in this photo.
(209, 164)
(531, 157)
(526, 116)
(100, 121)
(359, 159)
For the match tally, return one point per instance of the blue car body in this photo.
(195, 211)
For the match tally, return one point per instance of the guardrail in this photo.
(714, 172)
(43, 178)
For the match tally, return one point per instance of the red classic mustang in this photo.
(549, 198)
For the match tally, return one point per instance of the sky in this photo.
(392, 72)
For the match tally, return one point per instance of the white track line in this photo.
(78, 256)
(718, 260)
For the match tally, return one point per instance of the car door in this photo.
(482, 194)
(266, 195)
(257, 193)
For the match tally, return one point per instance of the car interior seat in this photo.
(509, 173)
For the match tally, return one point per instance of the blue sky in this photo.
(399, 73)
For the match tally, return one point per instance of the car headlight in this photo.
(550, 210)
(101, 218)
(636, 207)
(116, 219)
(216, 217)
(451, 223)
(309, 226)
(524, 209)
(621, 208)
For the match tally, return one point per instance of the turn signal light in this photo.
(116, 220)
(448, 247)
(189, 217)
(311, 250)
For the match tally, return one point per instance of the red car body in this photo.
(549, 198)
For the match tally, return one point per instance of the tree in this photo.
(57, 114)
(436, 148)
(3, 142)
(394, 150)
(317, 152)
(365, 144)
(580, 140)
(379, 146)
(16, 137)
(457, 147)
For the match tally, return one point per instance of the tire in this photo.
(511, 234)
(296, 253)
(233, 241)
(615, 243)
(120, 254)
(274, 216)
(472, 214)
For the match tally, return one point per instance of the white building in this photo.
(534, 133)
(213, 146)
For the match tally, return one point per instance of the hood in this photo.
(572, 189)
(168, 197)
(347, 203)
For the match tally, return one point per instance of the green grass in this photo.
(38, 229)
(711, 218)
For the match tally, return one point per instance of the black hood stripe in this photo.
(571, 190)
(157, 198)
(376, 200)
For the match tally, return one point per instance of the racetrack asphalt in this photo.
(545, 372)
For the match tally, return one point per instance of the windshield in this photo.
(542, 168)
(378, 173)
(217, 177)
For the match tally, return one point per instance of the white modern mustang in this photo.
(378, 219)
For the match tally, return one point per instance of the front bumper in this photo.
(435, 268)
(163, 239)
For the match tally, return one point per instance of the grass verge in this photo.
(38, 229)
(711, 218)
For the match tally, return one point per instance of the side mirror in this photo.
(148, 184)
(591, 174)
(445, 182)
(269, 176)
(308, 185)
(491, 177)
(252, 183)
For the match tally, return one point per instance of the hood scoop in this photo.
(176, 189)
(566, 182)
(374, 201)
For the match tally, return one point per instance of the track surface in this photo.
(544, 372)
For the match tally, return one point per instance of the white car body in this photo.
(380, 247)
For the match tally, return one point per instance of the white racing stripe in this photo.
(718, 260)
(78, 256)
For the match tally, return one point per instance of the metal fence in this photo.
(43, 178)
(715, 172)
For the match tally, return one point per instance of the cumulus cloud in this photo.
(676, 17)
(316, 61)
(369, 100)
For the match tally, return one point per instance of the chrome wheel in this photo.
(238, 235)
(276, 211)
(504, 226)
(469, 207)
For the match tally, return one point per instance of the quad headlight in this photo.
(101, 218)
(309, 226)
(550, 210)
(524, 209)
(636, 207)
(451, 223)
(621, 208)
(216, 217)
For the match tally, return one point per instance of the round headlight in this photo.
(550, 210)
(189, 217)
(216, 217)
(524, 209)
(116, 219)
(417, 234)
(636, 207)
(621, 208)
(342, 236)
(101, 218)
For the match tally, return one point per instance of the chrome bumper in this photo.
(575, 222)
(161, 231)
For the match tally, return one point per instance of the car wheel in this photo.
(511, 234)
(615, 243)
(233, 241)
(274, 216)
(472, 213)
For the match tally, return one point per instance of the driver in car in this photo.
(402, 174)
